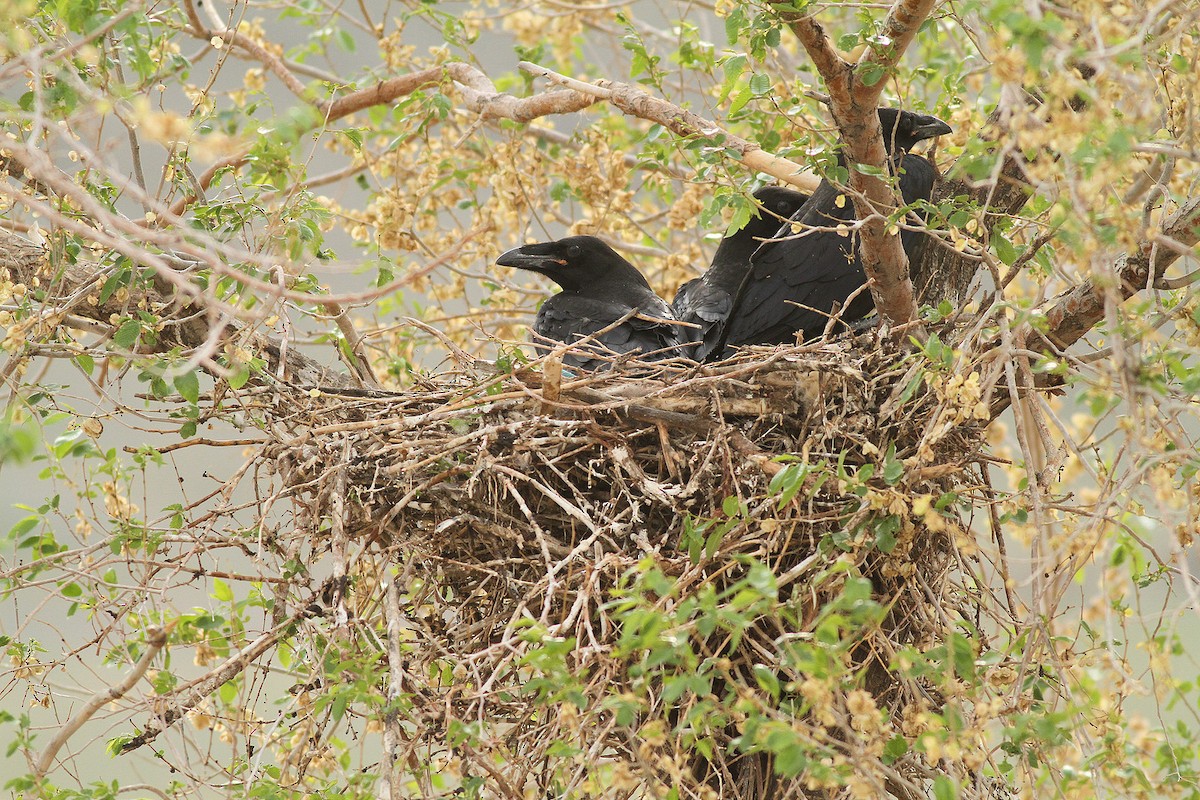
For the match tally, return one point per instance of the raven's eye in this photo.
(574, 251)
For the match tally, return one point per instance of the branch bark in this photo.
(852, 102)
(682, 123)
(1079, 310)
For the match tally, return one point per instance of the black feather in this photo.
(797, 280)
(706, 301)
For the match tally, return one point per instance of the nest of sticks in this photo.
(528, 508)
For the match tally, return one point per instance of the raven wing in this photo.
(795, 282)
(813, 268)
(707, 306)
(570, 317)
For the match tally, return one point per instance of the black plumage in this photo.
(796, 281)
(601, 290)
(706, 301)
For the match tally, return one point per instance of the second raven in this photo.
(796, 281)
(603, 297)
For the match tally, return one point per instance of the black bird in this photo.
(600, 289)
(706, 301)
(796, 281)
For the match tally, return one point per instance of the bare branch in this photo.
(189, 695)
(156, 639)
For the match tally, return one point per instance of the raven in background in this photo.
(601, 292)
(706, 301)
(796, 281)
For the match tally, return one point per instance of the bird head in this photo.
(779, 203)
(576, 263)
(903, 129)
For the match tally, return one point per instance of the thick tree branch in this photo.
(1079, 310)
(901, 25)
(852, 101)
(681, 122)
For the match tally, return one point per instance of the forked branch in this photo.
(854, 91)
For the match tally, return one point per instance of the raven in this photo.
(795, 281)
(603, 295)
(707, 300)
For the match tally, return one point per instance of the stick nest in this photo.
(553, 542)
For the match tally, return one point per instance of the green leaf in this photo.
(23, 527)
(944, 789)
(732, 506)
(188, 385)
(767, 680)
(221, 591)
(238, 376)
(1004, 248)
(734, 24)
(127, 334)
(787, 482)
(894, 749)
(72, 590)
(760, 84)
(77, 14)
(741, 217)
(85, 362)
(338, 710)
(734, 67)
(117, 280)
(740, 99)
(871, 73)
(114, 745)
(893, 469)
(885, 533)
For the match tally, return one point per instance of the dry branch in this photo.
(178, 702)
(484, 494)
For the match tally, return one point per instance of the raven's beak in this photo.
(522, 258)
(929, 128)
